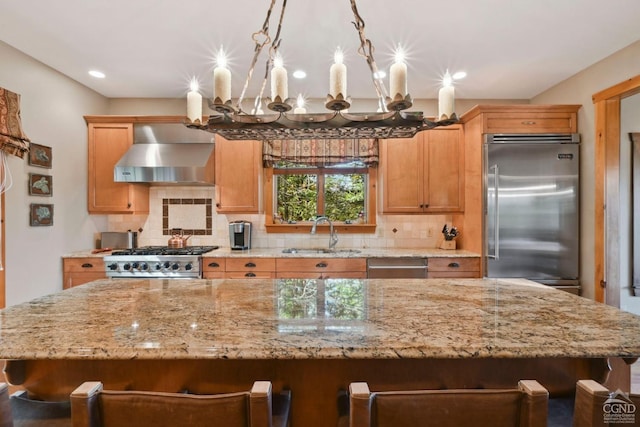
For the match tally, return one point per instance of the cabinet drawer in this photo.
(213, 275)
(250, 275)
(321, 264)
(250, 264)
(213, 265)
(454, 264)
(84, 265)
(560, 122)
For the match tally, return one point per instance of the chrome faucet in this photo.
(333, 237)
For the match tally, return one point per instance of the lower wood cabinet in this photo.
(77, 271)
(213, 268)
(453, 267)
(324, 268)
(253, 268)
(321, 268)
(238, 268)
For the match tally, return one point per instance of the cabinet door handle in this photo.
(250, 265)
(250, 275)
(321, 265)
(213, 264)
(87, 265)
(528, 122)
(454, 265)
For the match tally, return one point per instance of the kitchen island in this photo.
(311, 336)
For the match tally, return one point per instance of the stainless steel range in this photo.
(157, 261)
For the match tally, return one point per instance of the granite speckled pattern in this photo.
(314, 319)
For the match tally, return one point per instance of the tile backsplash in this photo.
(193, 209)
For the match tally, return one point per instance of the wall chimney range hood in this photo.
(167, 153)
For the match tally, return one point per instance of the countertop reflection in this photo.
(306, 318)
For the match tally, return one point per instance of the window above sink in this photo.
(296, 194)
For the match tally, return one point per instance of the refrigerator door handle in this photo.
(496, 217)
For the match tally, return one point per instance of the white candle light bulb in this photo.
(398, 75)
(338, 76)
(221, 59)
(446, 98)
(194, 102)
(279, 83)
(221, 78)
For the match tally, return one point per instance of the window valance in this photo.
(320, 152)
(12, 138)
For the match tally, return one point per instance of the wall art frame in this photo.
(40, 185)
(40, 214)
(40, 156)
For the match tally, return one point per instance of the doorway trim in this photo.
(607, 167)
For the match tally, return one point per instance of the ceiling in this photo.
(152, 48)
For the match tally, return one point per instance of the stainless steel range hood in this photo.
(167, 153)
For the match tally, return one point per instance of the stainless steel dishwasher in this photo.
(397, 268)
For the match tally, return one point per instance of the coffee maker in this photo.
(240, 235)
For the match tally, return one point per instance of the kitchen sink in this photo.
(319, 251)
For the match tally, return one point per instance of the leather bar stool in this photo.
(596, 406)
(524, 406)
(6, 420)
(91, 406)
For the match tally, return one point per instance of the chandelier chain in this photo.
(259, 45)
(366, 50)
(275, 44)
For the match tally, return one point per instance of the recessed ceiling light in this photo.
(97, 74)
(299, 74)
(459, 75)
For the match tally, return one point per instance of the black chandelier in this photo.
(233, 123)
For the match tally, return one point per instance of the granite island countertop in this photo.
(314, 319)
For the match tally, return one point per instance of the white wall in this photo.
(52, 107)
(579, 89)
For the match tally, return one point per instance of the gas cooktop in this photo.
(165, 250)
(157, 261)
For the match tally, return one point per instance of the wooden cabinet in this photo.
(213, 268)
(256, 268)
(424, 174)
(237, 165)
(238, 268)
(530, 122)
(321, 268)
(107, 144)
(76, 271)
(453, 267)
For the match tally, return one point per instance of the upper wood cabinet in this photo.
(424, 174)
(237, 165)
(107, 144)
(525, 118)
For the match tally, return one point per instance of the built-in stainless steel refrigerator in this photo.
(531, 200)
